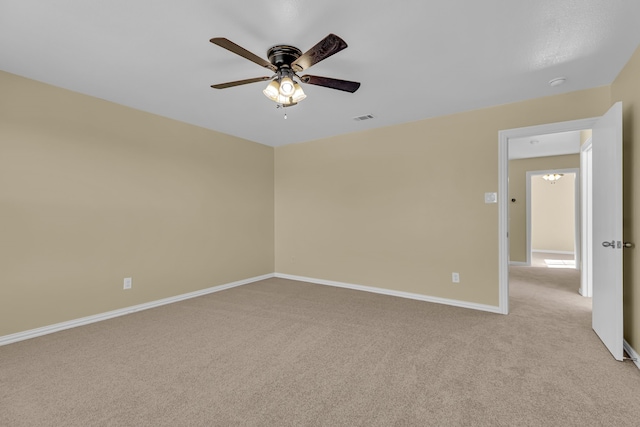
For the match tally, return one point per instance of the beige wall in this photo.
(626, 88)
(585, 135)
(403, 207)
(553, 214)
(92, 192)
(518, 190)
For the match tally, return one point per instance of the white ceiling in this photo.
(415, 58)
(552, 144)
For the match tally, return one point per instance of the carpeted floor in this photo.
(284, 353)
(550, 260)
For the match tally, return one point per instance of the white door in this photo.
(607, 230)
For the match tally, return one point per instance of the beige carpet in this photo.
(550, 260)
(283, 353)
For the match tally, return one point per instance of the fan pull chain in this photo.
(284, 107)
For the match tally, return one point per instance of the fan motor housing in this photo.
(283, 55)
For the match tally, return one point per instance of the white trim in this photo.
(528, 215)
(552, 252)
(503, 221)
(586, 281)
(409, 295)
(32, 333)
(503, 186)
(632, 353)
(519, 264)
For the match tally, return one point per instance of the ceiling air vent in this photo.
(361, 118)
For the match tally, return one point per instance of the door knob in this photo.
(628, 245)
(611, 244)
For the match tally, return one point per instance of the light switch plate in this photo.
(491, 197)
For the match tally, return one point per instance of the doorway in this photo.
(606, 194)
(553, 214)
(504, 198)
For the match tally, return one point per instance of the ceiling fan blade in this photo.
(239, 50)
(324, 49)
(240, 82)
(344, 85)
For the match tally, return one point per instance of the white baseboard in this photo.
(549, 251)
(420, 297)
(632, 353)
(32, 333)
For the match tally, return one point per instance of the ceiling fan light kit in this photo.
(552, 177)
(284, 87)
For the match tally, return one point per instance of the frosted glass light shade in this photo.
(287, 87)
(272, 91)
(298, 93)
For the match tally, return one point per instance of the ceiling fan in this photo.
(286, 61)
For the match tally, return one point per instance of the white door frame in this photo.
(586, 276)
(503, 187)
(576, 210)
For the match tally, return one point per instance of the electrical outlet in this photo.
(127, 283)
(455, 277)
